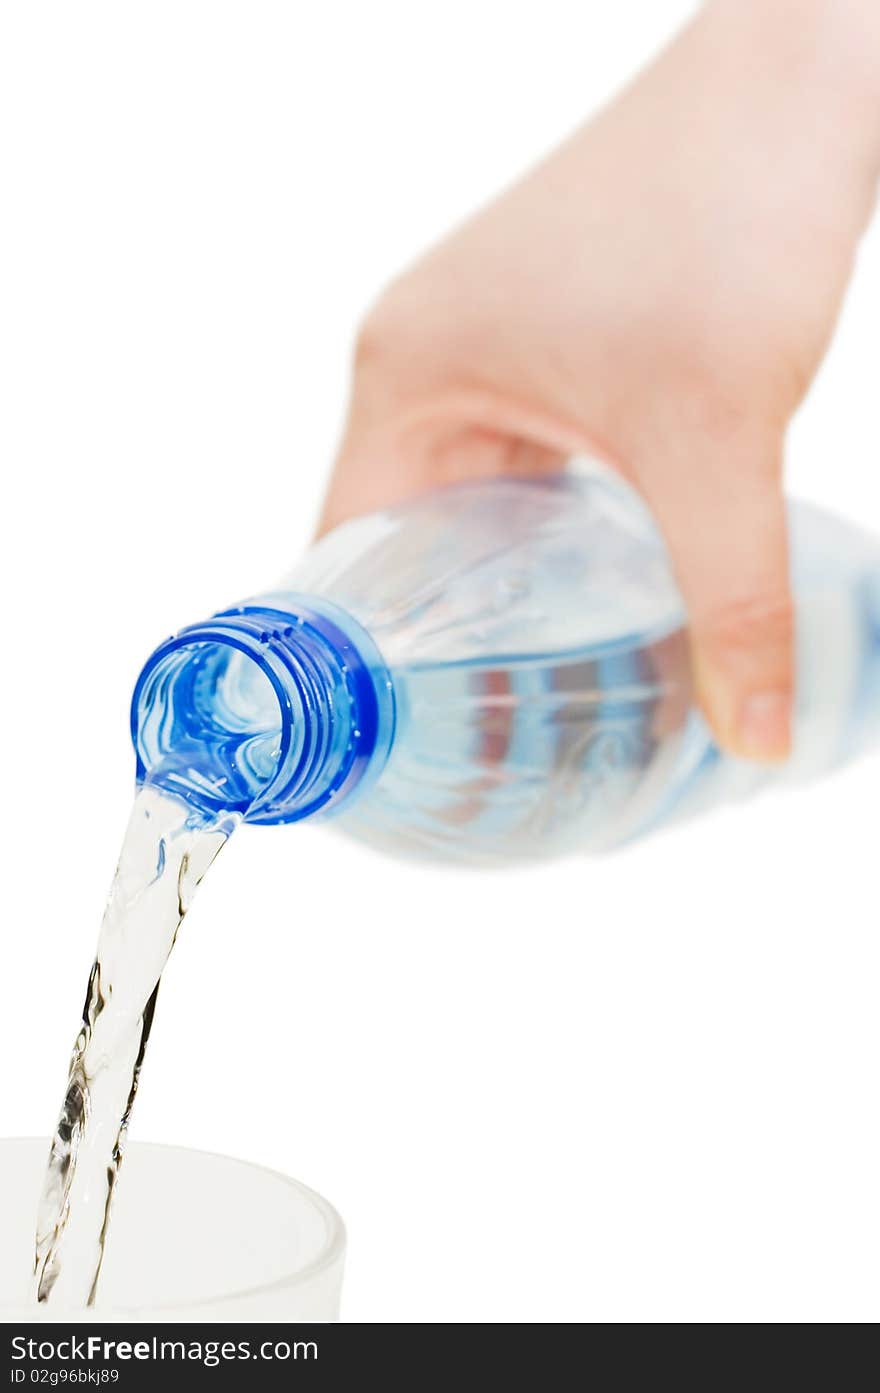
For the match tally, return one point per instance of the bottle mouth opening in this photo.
(213, 722)
(267, 713)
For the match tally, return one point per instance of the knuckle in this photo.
(752, 624)
(375, 341)
(394, 354)
(718, 416)
(721, 408)
(388, 332)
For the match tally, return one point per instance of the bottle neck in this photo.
(273, 714)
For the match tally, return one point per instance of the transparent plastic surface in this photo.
(537, 647)
(196, 1237)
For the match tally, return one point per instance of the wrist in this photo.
(821, 54)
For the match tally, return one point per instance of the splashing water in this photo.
(166, 852)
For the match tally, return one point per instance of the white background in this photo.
(638, 1088)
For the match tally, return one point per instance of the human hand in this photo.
(659, 292)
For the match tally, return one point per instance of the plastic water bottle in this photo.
(497, 670)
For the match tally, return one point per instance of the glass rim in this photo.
(331, 1252)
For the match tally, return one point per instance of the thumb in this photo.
(725, 525)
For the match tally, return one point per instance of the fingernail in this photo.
(764, 728)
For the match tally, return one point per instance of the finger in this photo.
(724, 521)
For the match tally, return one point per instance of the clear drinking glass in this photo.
(195, 1237)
